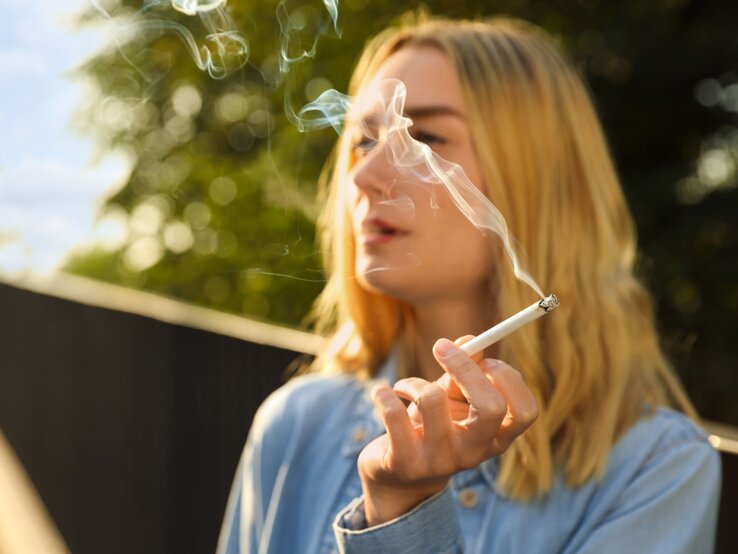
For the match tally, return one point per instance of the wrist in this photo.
(383, 503)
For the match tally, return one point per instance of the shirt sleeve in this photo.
(670, 506)
(432, 526)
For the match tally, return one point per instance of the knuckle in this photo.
(394, 412)
(406, 382)
(508, 370)
(466, 365)
(489, 364)
(501, 445)
(495, 408)
(493, 364)
(515, 373)
(456, 359)
(432, 396)
(529, 413)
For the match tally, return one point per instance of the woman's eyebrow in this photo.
(428, 111)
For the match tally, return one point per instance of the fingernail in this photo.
(445, 348)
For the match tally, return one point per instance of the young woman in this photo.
(567, 436)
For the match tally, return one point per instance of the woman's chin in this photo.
(383, 279)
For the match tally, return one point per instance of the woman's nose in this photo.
(374, 173)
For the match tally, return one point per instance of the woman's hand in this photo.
(473, 412)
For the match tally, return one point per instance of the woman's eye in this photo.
(430, 139)
(363, 144)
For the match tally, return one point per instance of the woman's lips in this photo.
(378, 231)
(376, 238)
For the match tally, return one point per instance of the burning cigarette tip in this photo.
(512, 323)
(549, 303)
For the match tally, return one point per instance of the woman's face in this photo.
(411, 240)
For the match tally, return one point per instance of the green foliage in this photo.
(221, 199)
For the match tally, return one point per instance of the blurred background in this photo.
(152, 145)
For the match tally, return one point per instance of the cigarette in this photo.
(511, 324)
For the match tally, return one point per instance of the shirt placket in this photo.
(473, 492)
(362, 428)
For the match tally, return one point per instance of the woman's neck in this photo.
(449, 319)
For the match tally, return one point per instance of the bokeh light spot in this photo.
(197, 214)
(143, 253)
(232, 107)
(187, 100)
(223, 190)
(178, 237)
(707, 92)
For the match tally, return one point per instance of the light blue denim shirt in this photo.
(297, 489)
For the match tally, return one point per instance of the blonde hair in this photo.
(594, 364)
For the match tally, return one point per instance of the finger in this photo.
(414, 414)
(431, 402)
(393, 414)
(477, 356)
(487, 405)
(446, 382)
(522, 408)
(458, 407)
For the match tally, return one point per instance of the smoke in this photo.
(332, 7)
(301, 27)
(401, 202)
(222, 51)
(195, 7)
(327, 110)
(378, 112)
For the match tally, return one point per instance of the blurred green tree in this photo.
(220, 203)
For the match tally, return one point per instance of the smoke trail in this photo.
(224, 50)
(383, 106)
(327, 110)
(292, 48)
(401, 202)
(194, 7)
(301, 27)
(332, 7)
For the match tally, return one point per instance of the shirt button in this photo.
(358, 434)
(468, 498)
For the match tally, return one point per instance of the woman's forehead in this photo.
(428, 76)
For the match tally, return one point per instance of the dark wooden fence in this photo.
(131, 427)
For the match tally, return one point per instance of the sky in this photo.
(51, 179)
